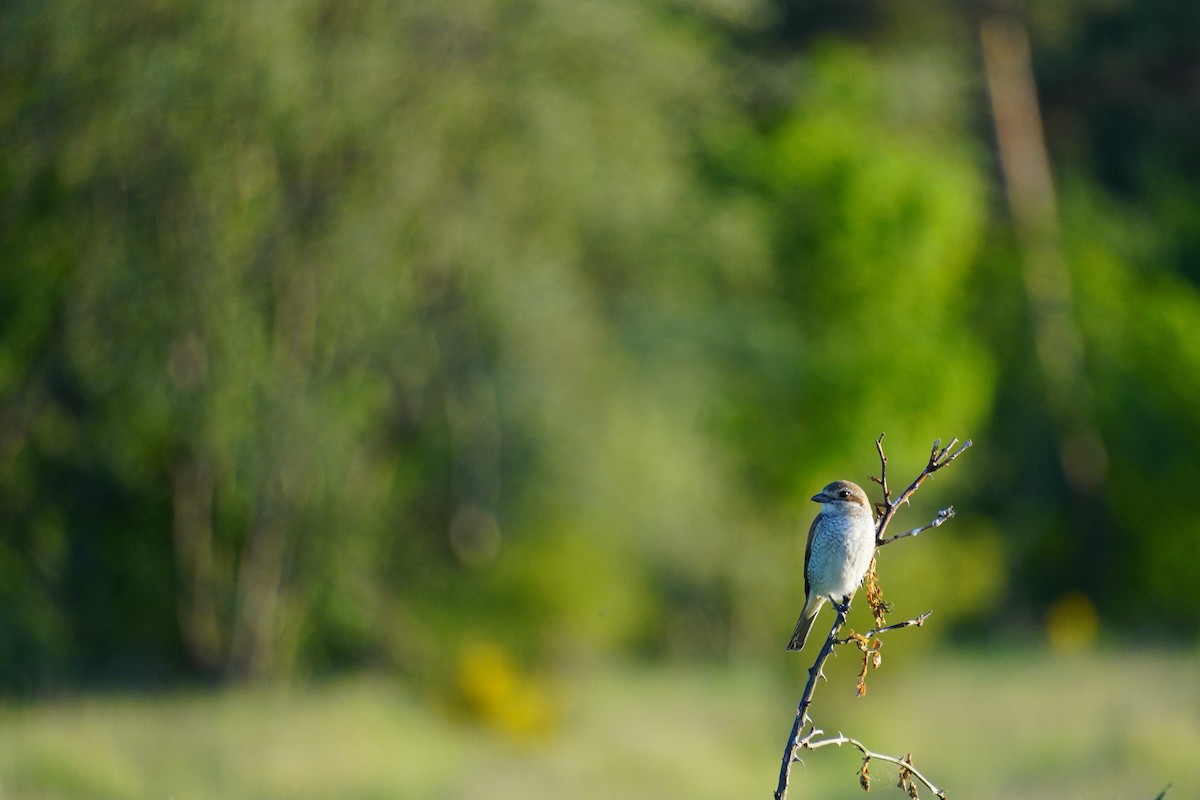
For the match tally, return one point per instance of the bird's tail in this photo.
(803, 625)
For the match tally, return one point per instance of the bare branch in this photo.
(939, 457)
(882, 479)
(814, 672)
(917, 621)
(870, 652)
(905, 763)
(942, 516)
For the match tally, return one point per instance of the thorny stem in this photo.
(795, 741)
(904, 763)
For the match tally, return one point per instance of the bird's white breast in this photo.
(842, 547)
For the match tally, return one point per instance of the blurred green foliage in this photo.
(336, 334)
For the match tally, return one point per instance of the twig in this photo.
(870, 652)
(882, 479)
(938, 459)
(943, 515)
(917, 621)
(905, 763)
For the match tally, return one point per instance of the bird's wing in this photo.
(812, 529)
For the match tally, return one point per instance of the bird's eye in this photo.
(844, 494)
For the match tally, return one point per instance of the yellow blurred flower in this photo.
(494, 691)
(1072, 624)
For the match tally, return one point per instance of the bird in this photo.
(841, 544)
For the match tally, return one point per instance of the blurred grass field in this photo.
(989, 725)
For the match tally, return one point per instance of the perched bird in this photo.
(841, 542)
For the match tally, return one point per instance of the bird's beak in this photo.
(819, 497)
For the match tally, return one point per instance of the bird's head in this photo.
(842, 496)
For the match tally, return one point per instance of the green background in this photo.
(478, 345)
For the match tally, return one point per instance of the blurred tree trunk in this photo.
(258, 647)
(1061, 352)
(255, 637)
(193, 537)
